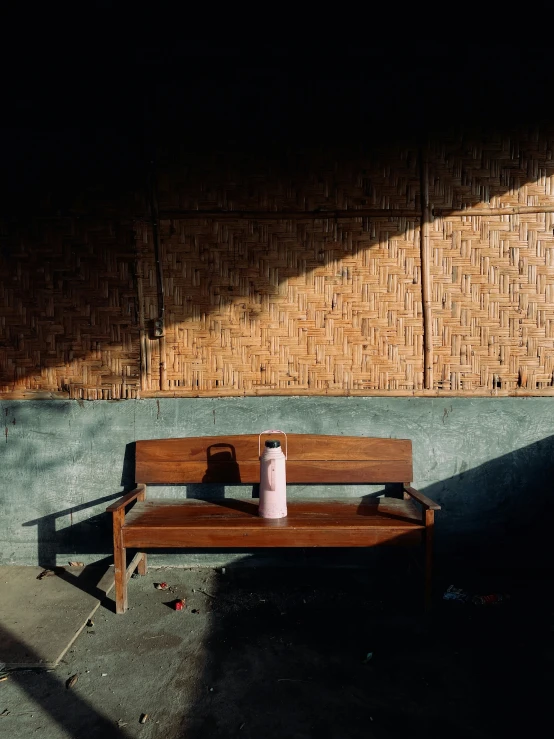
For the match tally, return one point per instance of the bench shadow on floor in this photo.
(298, 653)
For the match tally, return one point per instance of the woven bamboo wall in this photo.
(310, 305)
(493, 276)
(303, 297)
(68, 317)
(287, 306)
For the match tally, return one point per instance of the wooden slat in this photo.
(422, 499)
(236, 524)
(311, 459)
(300, 446)
(132, 566)
(337, 472)
(268, 538)
(127, 498)
(245, 511)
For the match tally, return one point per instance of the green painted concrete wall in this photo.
(489, 462)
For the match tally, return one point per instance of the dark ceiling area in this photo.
(84, 114)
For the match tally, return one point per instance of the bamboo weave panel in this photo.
(493, 276)
(68, 310)
(286, 305)
(307, 305)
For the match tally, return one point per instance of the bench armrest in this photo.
(126, 499)
(426, 502)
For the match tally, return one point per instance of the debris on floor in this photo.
(319, 671)
(46, 573)
(462, 596)
(70, 682)
(456, 594)
(204, 592)
(490, 600)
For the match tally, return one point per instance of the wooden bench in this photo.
(226, 523)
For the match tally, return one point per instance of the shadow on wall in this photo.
(67, 293)
(71, 296)
(496, 515)
(499, 514)
(92, 535)
(268, 128)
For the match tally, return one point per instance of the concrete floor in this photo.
(41, 616)
(283, 653)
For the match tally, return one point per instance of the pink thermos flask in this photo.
(273, 477)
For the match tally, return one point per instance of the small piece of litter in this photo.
(104, 674)
(488, 600)
(3, 678)
(195, 610)
(223, 570)
(71, 681)
(90, 623)
(368, 658)
(160, 585)
(143, 718)
(76, 564)
(121, 723)
(456, 594)
(46, 573)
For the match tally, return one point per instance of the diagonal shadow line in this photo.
(74, 509)
(183, 313)
(88, 581)
(74, 715)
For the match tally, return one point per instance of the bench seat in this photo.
(234, 523)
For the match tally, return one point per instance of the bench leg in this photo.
(142, 568)
(429, 527)
(120, 562)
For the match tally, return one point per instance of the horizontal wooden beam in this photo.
(287, 392)
(233, 393)
(511, 210)
(176, 214)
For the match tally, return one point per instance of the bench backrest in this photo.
(311, 459)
